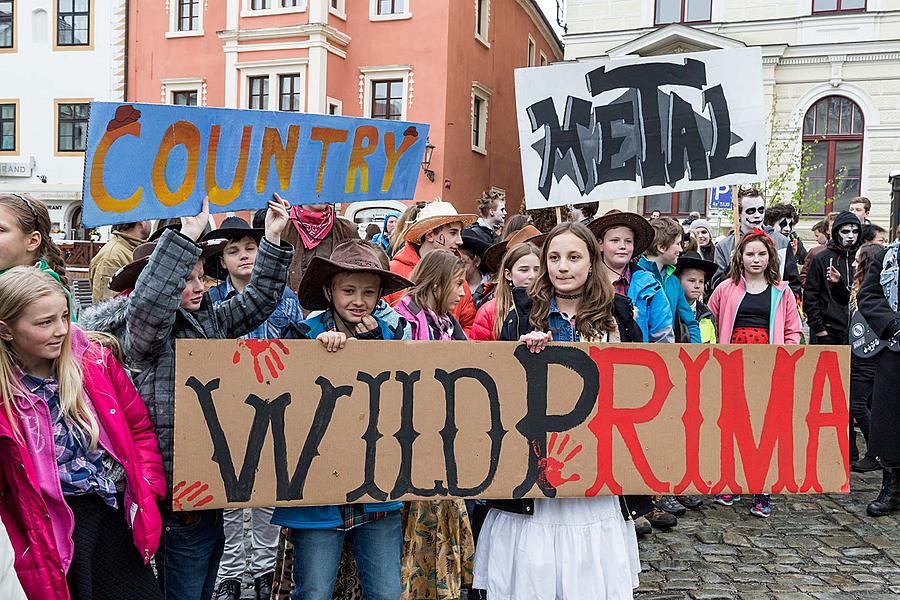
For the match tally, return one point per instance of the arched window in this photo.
(833, 146)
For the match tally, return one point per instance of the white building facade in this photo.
(56, 56)
(831, 75)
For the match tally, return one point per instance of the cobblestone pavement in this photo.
(812, 547)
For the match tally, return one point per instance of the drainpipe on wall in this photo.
(127, 37)
(894, 180)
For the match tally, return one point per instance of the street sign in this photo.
(16, 169)
(720, 198)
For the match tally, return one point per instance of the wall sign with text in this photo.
(148, 161)
(633, 126)
(289, 424)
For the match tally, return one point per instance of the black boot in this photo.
(229, 589)
(263, 585)
(888, 499)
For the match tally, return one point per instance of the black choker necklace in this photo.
(569, 296)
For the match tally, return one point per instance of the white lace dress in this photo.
(570, 549)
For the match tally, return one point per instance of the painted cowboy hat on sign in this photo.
(494, 255)
(232, 229)
(434, 215)
(126, 277)
(352, 256)
(693, 260)
(643, 230)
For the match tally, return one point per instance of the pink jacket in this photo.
(483, 327)
(784, 324)
(40, 525)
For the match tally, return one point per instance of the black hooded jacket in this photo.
(826, 303)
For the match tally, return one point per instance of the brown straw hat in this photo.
(494, 255)
(643, 230)
(432, 216)
(126, 277)
(352, 256)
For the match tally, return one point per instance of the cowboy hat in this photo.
(693, 260)
(232, 229)
(126, 277)
(352, 256)
(157, 233)
(474, 243)
(494, 255)
(643, 230)
(433, 216)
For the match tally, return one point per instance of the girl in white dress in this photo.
(575, 548)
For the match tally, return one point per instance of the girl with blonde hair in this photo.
(519, 268)
(78, 450)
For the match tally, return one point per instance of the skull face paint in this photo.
(753, 210)
(848, 235)
(785, 227)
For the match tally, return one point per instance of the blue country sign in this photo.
(149, 161)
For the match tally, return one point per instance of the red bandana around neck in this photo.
(313, 227)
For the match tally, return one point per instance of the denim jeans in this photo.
(376, 547)
(189, 551)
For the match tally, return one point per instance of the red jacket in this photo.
(483, 327)
(40, 527)
(403, 264)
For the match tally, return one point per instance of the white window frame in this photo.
(543, 62)
(340, 11)
(483, 93)
(184, 84)
(373, 74)
(374, 16)
(485, 37)
(329, 102)
(173, 22)
(272, 69)
(246, 11)
(532, 48)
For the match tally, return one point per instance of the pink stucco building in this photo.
(448, 63)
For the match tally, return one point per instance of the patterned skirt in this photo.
(438, 550)
(750, 335)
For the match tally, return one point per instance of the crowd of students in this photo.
(86, 426)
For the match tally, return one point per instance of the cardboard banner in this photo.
(634, 126)
(419, 420)
(148, 161)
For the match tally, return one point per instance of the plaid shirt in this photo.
(81, 470)
(154, 320)
(621, 284)
(354, 515)
(288, 312)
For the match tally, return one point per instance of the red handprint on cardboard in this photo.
(263, 351)
(190, 496)
(551, 466)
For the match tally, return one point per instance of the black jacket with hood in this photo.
(826, 303)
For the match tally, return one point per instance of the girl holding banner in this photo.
(570, 548)
(754, 306)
